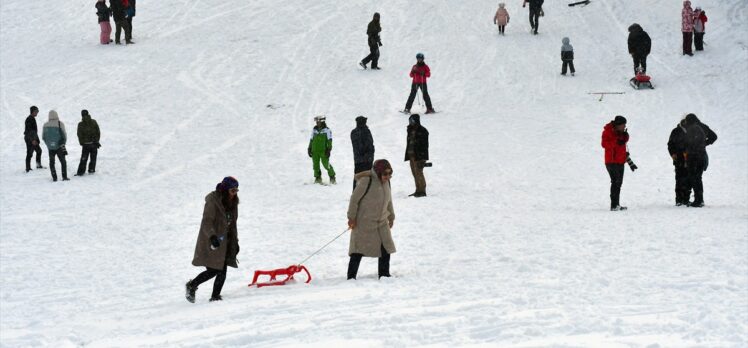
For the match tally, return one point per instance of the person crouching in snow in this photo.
(104, 13)
(567, 56)
(217, 243)
(370, 218)
(501, 18)
(319, 149)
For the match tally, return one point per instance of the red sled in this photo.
(288, 272)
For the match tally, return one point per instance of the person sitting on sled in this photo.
(641, 79)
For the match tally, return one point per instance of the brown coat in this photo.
(373, 213)
(214, 223)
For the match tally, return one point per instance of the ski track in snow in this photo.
(514, 246)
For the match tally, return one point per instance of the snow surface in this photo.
(514, 247)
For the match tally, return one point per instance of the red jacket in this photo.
(615, 145)
(420, 73)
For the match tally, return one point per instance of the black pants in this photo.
(535, 19)
(220, 275)
(413, 90)
(687, 40)
(30, 149)
(570, 64)
(698, 41)
(682, 186)
(616, 180)
(373, 56)
(122, 24)
(358, 168)
(501, 28)
(88, 150)
(640, 61)
(59, 154)
(695, 170)
(384, 264)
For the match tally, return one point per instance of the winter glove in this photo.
(309, 151)
(380, 43)
(633, 166)
(98, 145)
(215, 243)
(327, 153)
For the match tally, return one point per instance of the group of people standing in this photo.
(686, 146)
(693, 25)
(122, 11)
(55, 138)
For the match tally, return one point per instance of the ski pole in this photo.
(417, 98)
(323, 247)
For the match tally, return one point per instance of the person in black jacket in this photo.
(639, 46)
(698, 136)
(417, 152)
(119, 13)
(363, 147)
(374, 43)
(536, 10)
(676, 146)
(31, 137)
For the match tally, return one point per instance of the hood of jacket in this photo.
(691, 119)
(360, 121)
(686, 3)
(566, 46)
(414, 120)
(86, 118)
(635, 28)
(53, 116)
(501, 5)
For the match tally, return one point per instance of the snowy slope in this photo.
(514, 246)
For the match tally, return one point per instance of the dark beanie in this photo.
(33, 108)
(361, 120)
(380, 166)
(619, 120)
(84, 112)
(691, 119)
(228, 183)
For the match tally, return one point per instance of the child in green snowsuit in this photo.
(320, 146)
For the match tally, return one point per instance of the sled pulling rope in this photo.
(602, 94)
(289, 271)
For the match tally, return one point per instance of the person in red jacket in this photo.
(420, 72)
(614, 141)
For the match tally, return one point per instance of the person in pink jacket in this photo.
(419, 72)
(501, 18)
(687, 27)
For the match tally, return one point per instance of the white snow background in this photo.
(514, 247)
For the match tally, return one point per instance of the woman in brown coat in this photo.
(370, 217)
(217, 243)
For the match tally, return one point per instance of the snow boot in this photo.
(406, 111)
(419, 194)
(618, 208)
(362, 65)
(430, 111)
(39, 165)
(332, 180)
(376, 68)
(189, 291)
(318, 180)
(216, 298)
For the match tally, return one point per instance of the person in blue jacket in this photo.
(55, 137)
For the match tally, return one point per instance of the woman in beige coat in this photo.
(370, 217)
(217, 243)
(501, 18)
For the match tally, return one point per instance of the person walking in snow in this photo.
(420, 72)
(217, 242)
(55, 137)
(88, 137)
(119, 13)
(363, 147)
(320, 146)
(639, 47)
(699, 26)
(676, 147)
(687, 19)
(501, 18)
(417, 153)
(614, 140)
(370, 218)
(567, 56)
(536, 11)
(372, 31)
(104, 13)
(698, 137)
(31, 138)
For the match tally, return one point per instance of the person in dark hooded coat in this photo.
(676, 147)
(639, 46)
(217, 243)
(698, 137)
(417, 153)
(374, 41)
(363, 147)
(88, 137)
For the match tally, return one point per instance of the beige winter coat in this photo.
(373, 213)
(215, 223)
(502, 16)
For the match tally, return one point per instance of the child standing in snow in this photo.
(104, 13)
(567, 56)
(501, 18)
(698, 28)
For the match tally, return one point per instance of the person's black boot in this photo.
(216, 298)
(189, 291)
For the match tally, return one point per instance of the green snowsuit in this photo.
(320, 146)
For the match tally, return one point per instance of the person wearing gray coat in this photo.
(567, 56)
(370, 218)
(217, 243)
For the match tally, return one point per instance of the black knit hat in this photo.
(84, 112)
(619, 120)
